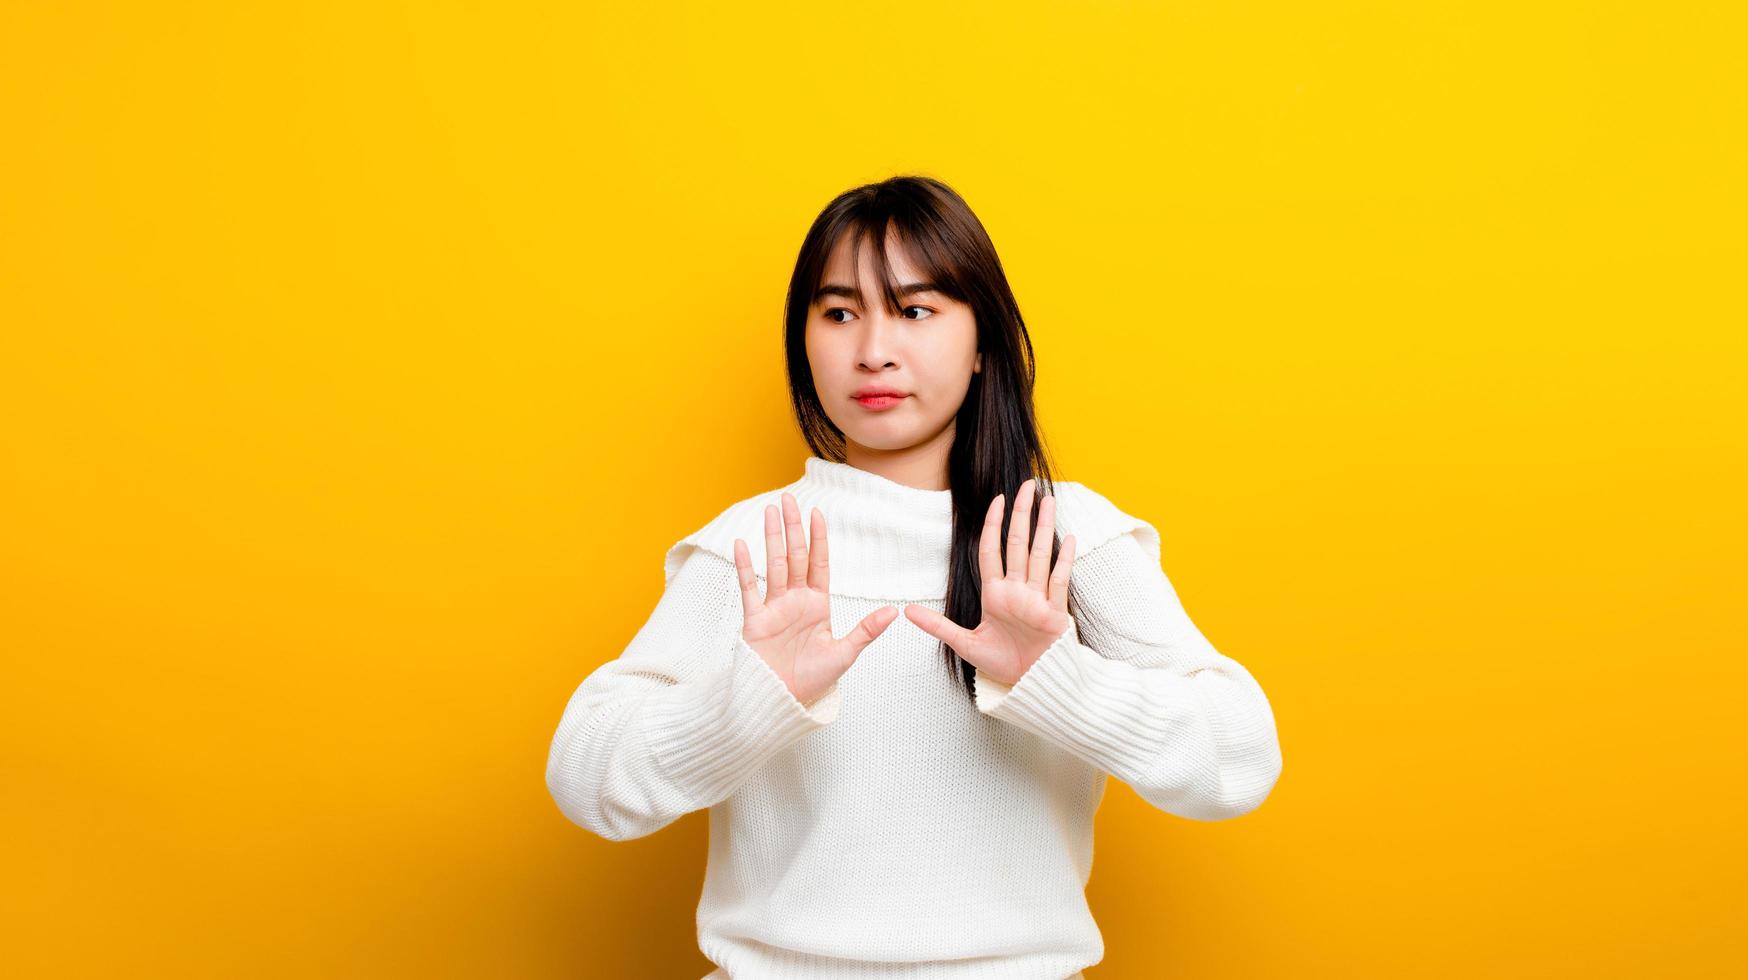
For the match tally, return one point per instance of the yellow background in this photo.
(361, 360)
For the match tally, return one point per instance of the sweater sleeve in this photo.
(681, 718)
(1133, 687)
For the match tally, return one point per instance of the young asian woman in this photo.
(901, 715)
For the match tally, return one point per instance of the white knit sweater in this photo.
(891, 827)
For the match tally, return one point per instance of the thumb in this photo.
(869, 629)
(939, 627)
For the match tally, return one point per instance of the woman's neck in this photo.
(922, 466)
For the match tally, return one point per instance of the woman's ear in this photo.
(978, 365)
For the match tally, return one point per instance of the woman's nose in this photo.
(878, 340)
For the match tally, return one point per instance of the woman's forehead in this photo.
(901, 267)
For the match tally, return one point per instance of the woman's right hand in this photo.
(791, 628)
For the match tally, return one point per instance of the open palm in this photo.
(1025, 604)
(791, 627)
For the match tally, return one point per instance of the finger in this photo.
(818, 560)
(776, 572)
(749, 582)
(988, 557)
(1038, 568)
(1019, 528)
(869, 629)
(1058, 595)
(940, 627)
(797, 550)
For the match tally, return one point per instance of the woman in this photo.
(909, 798)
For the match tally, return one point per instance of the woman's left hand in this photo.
(1025, 605)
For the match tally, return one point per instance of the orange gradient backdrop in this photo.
(361, 360)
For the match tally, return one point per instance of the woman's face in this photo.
(926, 352)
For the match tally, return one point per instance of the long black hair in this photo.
(997, 444)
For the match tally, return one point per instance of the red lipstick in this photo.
(878, 398)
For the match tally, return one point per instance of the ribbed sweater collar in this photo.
(887, 540)
(864, 491)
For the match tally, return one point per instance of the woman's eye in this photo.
(831, 314)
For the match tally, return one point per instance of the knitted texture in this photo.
(893, 827)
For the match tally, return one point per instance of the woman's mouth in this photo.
(880, 403)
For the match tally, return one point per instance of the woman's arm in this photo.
(1134, 688)
(680, 719)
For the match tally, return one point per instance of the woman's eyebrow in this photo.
(854, 295)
